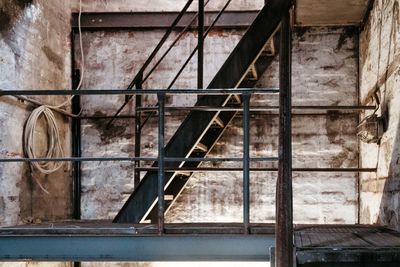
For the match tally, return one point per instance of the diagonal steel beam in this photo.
(197, 123)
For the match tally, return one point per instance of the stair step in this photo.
(269, 49)
(169, 197)
(252, 74)
(201, 147)
(185, 174)
(237, 98)
(219, 122)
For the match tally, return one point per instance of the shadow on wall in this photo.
(10, 11)
(389, 150)
(389, 210)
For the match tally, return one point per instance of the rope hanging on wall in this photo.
(47, 112)
(54, 143)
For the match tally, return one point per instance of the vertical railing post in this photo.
(76, 140)
(200, 51)
(76, 150)
(246, 162)
(161, 155)
(284, 198)
(138, 130)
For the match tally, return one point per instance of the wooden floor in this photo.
(316, 245)
(355, 245)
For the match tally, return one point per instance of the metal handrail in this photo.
(160, 44)
(197, 47)
(139, 76)
(216, 91)
(190, 57)
(184, 65)
(141, 72)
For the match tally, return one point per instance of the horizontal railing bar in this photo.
(142, 92)
(220, 169)
(167, 159)
(260, 108)
(256, 112)
(74, 159)
(218, 159)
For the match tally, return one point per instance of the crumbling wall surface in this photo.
(324, 68)
(324, 73)
(34, 54)
(161, 5)
(112, 60)
(379, 69)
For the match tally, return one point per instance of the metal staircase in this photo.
(200, 131)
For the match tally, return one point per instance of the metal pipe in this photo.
(222, 91)
(161, 155)
(246, 163)
(200, 53)
(284, 198)
(138, 132)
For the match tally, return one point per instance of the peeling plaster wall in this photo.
(325, 73)
(34, 54)
(324, 63)
(379, 61)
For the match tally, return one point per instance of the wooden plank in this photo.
(327, 12)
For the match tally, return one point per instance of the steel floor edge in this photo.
(136, 248)
(104, 241)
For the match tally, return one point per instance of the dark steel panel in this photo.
(135, 248)
(197, 123)
(159, 20)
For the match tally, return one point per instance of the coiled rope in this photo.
(54, 148)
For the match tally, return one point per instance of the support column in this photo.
(161, 156)
(246, 163)
(76, 141)
(200, 51)
(138, 130)
(284, 198)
